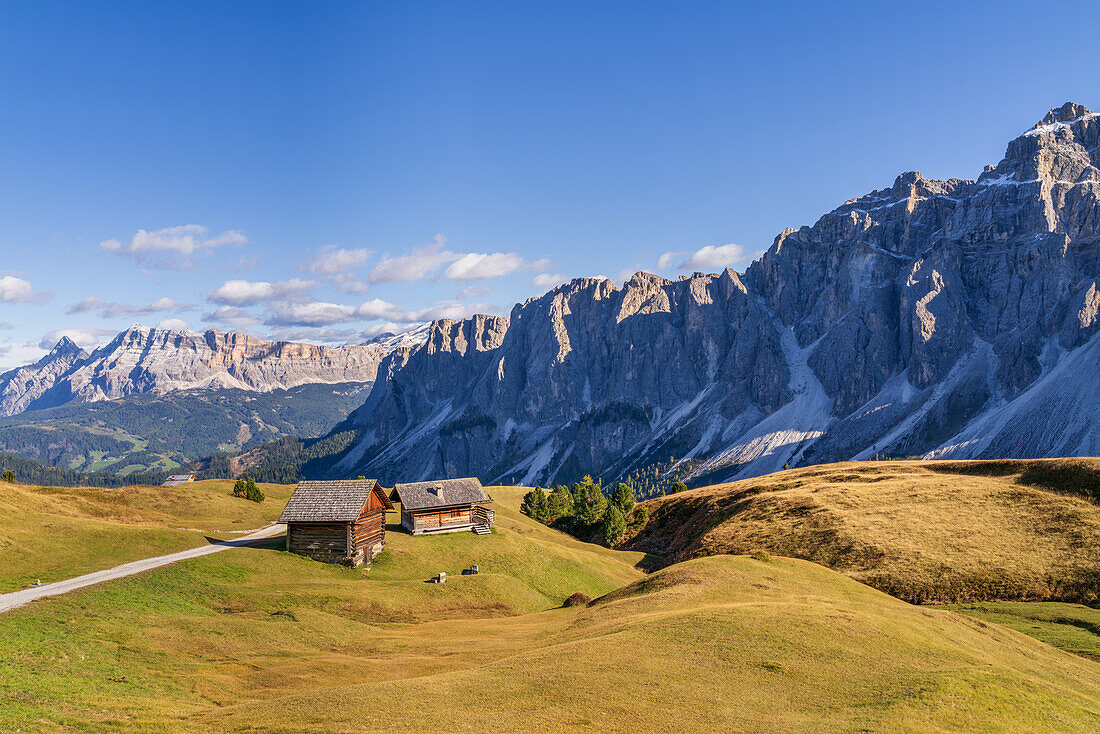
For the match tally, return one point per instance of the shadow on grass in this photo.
(651, 562)
(277, 542)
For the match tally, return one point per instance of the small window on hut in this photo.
(456, 512)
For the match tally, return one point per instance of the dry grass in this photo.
(922, 531)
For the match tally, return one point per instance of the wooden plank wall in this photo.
(430, 519)
(368, 535)
(326, 542)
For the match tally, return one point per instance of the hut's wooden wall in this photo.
(368, 534)
(436, 520)
(326, 542)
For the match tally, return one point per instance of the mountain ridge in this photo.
(143, 359)
(896, 323)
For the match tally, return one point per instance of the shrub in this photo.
(678, 487)
(641, 517)
(762, 555)
(246, 488)
(9, 476)
(613, 525)
(577, 600)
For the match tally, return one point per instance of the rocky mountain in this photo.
(934, 318)
(143, 359)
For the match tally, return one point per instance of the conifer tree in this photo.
(613, 525)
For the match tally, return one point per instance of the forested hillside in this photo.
(150, 432)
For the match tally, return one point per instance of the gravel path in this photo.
(19, 598)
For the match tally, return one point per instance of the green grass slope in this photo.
(1071, 627)
(256, 639)
(54, 533)
(922, 531)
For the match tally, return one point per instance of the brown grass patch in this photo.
(921, 531)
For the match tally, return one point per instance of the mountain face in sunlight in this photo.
(948, 319)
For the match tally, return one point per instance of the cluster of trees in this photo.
(247, 489)
(582, 509)
(660, 478)
(9, 476)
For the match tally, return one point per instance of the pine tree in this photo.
(613, 525)
(534, 505)
(623, 498)
(588, 502)
(559, 504)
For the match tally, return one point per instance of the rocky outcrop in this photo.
(943, 318)
(143, 359)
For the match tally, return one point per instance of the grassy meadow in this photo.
(922, 531)
(54, 533)
(258, 640)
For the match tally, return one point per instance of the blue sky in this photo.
(326, 171)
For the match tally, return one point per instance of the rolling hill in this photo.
(255, 639)
(922, 531)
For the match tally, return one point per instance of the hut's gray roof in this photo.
(334, 501)
(440, 493)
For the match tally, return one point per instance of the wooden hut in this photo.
(337, 522)
(444, 506)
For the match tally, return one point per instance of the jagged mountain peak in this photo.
(1068, 113)
(64, 347)
(952, 318)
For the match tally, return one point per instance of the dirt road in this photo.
(19, 598)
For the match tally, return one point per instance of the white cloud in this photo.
(6, 326)
(17, 290)
(174, 324)
(480, 266)
(379, 309)
(332, 259)
(319, 313)
(415, 265)
(315, 313)
(547, 280)
(250, 292)
(172, 247)
(236, 318)
(348, 283)
(109, 309)
(85, 338)
(709, 258)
